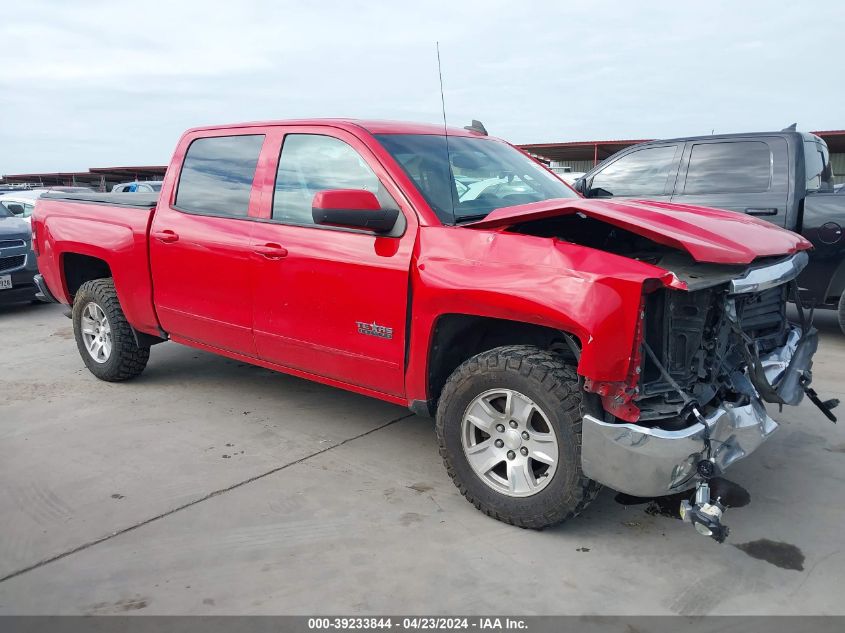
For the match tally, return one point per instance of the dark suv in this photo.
(783, 177)
(17, 261)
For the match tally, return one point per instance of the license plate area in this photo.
(5, 282)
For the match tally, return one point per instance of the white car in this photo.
(20, 203)
(145, 186)
(498, 187)
(569, 177)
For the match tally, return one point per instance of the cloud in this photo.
(105, 83)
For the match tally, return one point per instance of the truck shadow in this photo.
(18, 309)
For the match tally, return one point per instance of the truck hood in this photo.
(16, 228)
(708, 235)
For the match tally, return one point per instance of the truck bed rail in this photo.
(136, 200)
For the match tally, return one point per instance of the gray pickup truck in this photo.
(784, 177)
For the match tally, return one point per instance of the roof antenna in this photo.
(446, 134)
(791, 128)
(477, 127)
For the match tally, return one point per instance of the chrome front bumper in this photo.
(647, 462)
(650, 462)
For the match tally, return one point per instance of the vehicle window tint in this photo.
(15, 208)
(310, 163)
(217, 175)
(640, 173)
(738, 167)
(817, 167)
(465, 178)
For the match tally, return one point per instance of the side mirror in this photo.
(580, 185)
(352, 208)
(15, 208)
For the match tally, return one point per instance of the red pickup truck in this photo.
(561, 343)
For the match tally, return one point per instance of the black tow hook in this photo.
(825, 406)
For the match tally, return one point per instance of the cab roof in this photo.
(371, 126)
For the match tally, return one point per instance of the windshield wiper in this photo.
(471, 218)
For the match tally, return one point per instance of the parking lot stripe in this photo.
(206, 497)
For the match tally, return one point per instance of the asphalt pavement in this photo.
(208, 486)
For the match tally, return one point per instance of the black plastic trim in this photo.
(43, 293)
(422, 407)
(130, 200)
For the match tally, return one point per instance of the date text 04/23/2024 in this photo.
(417, 623)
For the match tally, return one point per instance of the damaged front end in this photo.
(712, 355)
(681, 394)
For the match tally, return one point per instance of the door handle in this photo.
(766, 211)
(167, 236)
(270, 250)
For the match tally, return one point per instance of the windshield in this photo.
(485, 174)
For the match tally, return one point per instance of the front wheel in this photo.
(509, 429)
(103, 335)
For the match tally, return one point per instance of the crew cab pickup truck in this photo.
(783, 177)
(561, 343)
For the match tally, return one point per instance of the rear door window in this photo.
(217, 175)
(734, 167)
(643, 172)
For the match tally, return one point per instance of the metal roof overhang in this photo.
(597, 151)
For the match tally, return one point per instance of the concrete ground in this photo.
(208, 486)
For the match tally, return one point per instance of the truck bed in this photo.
(133, 200)
(110, 227)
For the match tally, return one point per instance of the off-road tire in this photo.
(842, 313)
(554, 386)
(127, 359)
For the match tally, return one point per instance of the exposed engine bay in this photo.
(710, 343)
(694, 336)
(708, 358)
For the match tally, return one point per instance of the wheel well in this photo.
(78, 269)
(836, 287)
(458, 337)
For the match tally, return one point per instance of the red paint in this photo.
(307, 300)
(617, 396)
(346, 199)
(708, 235)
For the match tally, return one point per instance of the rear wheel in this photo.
(509, 429)
(103, 335)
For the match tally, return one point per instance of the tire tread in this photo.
(550, 373)
(131, 359)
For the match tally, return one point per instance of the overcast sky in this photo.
(94, 84)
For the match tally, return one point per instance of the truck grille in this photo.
(10, 263)
(692, 338)
(762, 316)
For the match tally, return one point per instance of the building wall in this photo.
(576, 165)
(837, 161)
